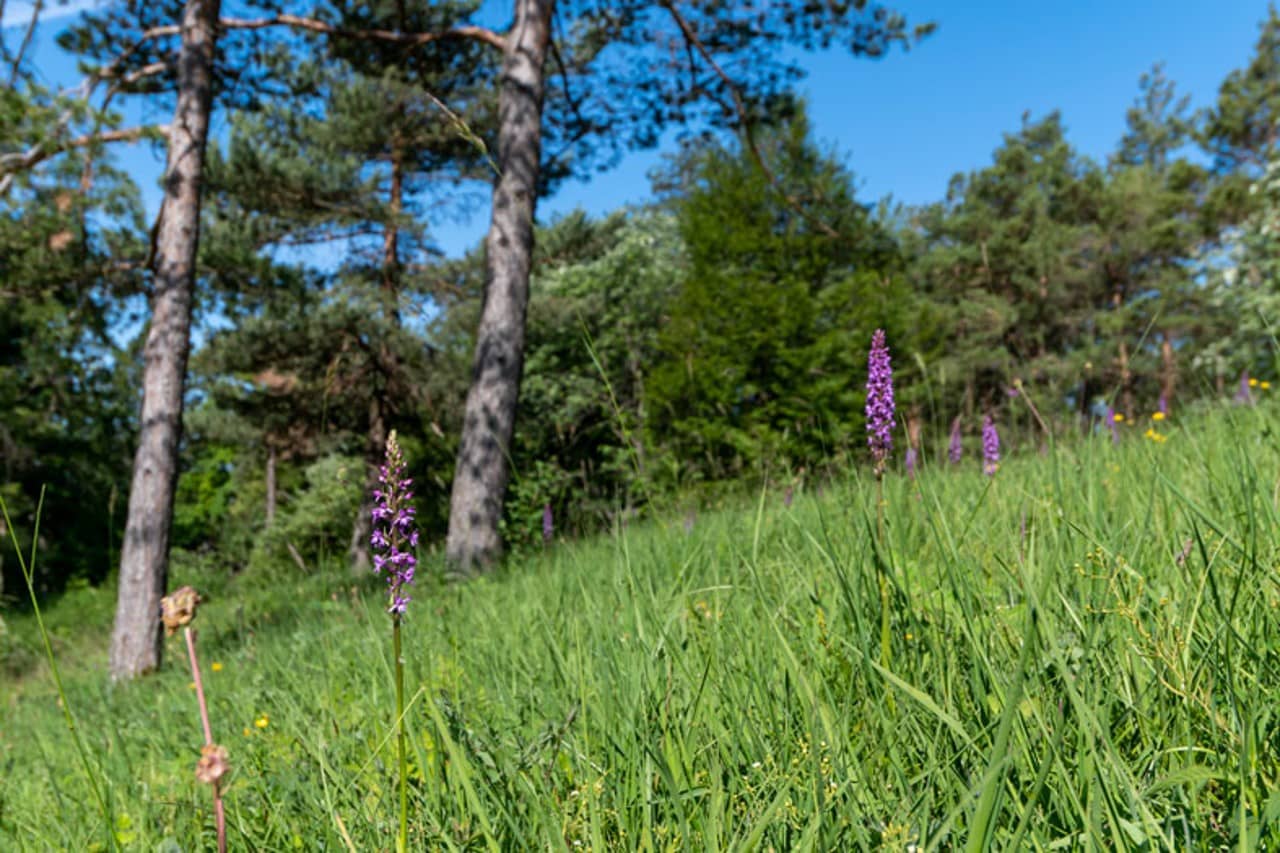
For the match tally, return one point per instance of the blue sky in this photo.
(907, 123)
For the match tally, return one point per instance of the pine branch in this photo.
(111, 71)
(470, 32)
(739, 108)
(41, 151)
(16, 67)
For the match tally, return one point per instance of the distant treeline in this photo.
(717, 334)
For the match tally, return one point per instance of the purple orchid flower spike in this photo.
(990, 447)
(880, 406)
(956, 447)
(395, 537)
(1243, 393)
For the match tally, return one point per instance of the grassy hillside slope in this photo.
(1082, 649)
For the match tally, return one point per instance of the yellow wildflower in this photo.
(1118, 417)
(1264, 385)
(1155, 436)
(216, 667)
(1253, 382)
(247, 731)
(1157, 416)
(262, 722)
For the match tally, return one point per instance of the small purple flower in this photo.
(990, 447)
(911, 462)
(1162, 406)
(956, 448)
(548, 524)
(1113, 425)
(879, 401)
(1243, 394)
(393, 528)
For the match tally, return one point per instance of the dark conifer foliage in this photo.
(602, 367)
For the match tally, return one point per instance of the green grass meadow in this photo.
(1080, 653)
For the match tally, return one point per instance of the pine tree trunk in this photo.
(1126, 380)
(358, 552)
(271, 485)
(144, 562)
(1168, 370)
(480, 479)
(391, 233)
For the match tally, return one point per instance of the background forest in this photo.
(758, 514)
(675, 350)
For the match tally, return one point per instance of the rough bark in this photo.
(375, 447)
(1168, 369)
(391, 234)
(271, 485)
(1126, 379)
(144, 562)
(483, 469)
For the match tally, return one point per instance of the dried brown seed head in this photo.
(212, 765)
(178, 608)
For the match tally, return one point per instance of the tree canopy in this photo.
(713, 334)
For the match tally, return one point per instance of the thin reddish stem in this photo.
(219, 813)
(195, 673)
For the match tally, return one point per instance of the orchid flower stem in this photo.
(885, 634)
(402, 840)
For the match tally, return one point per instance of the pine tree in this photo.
(1008, 257)
(729, 71)
(136, 641)
(1240, 131)
(376, 135)
(1152, 227)
(71, 251)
